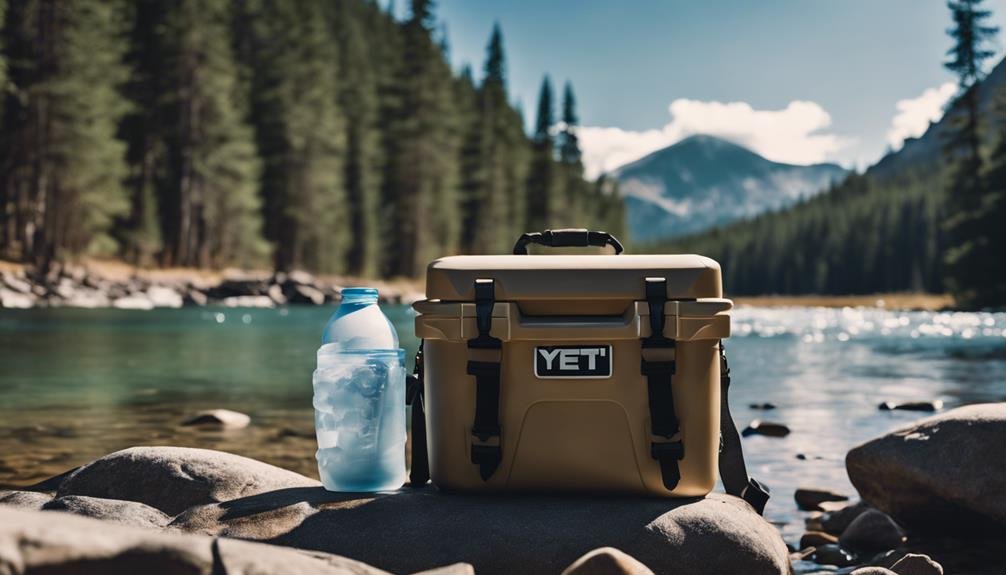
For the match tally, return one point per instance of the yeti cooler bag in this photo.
(575, 372)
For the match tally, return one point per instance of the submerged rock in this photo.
(871, 532)
(762, 406)
(125, 512)
(172, 479)
(938, 474)
(33, 542)
(767, 428)
(219, 419)
(912, 406)
(607, 561)
(811, 499)
(817, 539)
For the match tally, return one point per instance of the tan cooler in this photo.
(575, 372)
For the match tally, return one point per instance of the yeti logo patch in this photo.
(572, 361)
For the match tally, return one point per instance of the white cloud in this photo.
(792, 134)
(915, 114)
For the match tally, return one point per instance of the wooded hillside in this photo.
(320, 135)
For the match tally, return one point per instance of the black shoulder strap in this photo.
(733, 471)
(659, 375)
(415, 394)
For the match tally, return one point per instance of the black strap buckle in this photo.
(485, 299)
(756, 494)
(656, 297)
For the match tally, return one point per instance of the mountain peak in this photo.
(704, 181)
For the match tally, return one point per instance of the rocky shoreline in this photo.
(929, 504)
(83, 286)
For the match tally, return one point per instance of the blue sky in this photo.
(846, 64)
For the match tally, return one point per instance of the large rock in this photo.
(415, 529)
(124, 512)
(40, 542)
(940, 473)
(173, 479)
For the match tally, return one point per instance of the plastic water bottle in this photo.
(359, 398)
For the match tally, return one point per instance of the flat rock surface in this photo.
(172, 479)
(35, 542)
(415, 529)
(24, 499)
(940, 474)
(124, 512)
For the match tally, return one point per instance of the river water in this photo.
(76, 384)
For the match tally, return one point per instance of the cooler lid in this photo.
(573, 277)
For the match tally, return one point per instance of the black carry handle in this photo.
(566, 238)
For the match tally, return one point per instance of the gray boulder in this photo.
(172, 479)
(422, 528)
(36, 542)
(32, 500)
(125, 512)
(872, 571)
(938, 474)
(872, 531)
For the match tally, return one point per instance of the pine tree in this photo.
(490, 215)
(971, 225)
(423, 161)
(300, 138)
(544, 205)
(63, 165)
(364, 163)
(139, 232)
(3, 62)
(189, 143)
(580, 210)
(472, 177)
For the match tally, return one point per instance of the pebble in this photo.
(766, 428)
(219, 418)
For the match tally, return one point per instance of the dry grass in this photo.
(902, 301)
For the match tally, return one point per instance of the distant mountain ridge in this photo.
(704, 181)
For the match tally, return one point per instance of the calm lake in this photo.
(76, 384)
